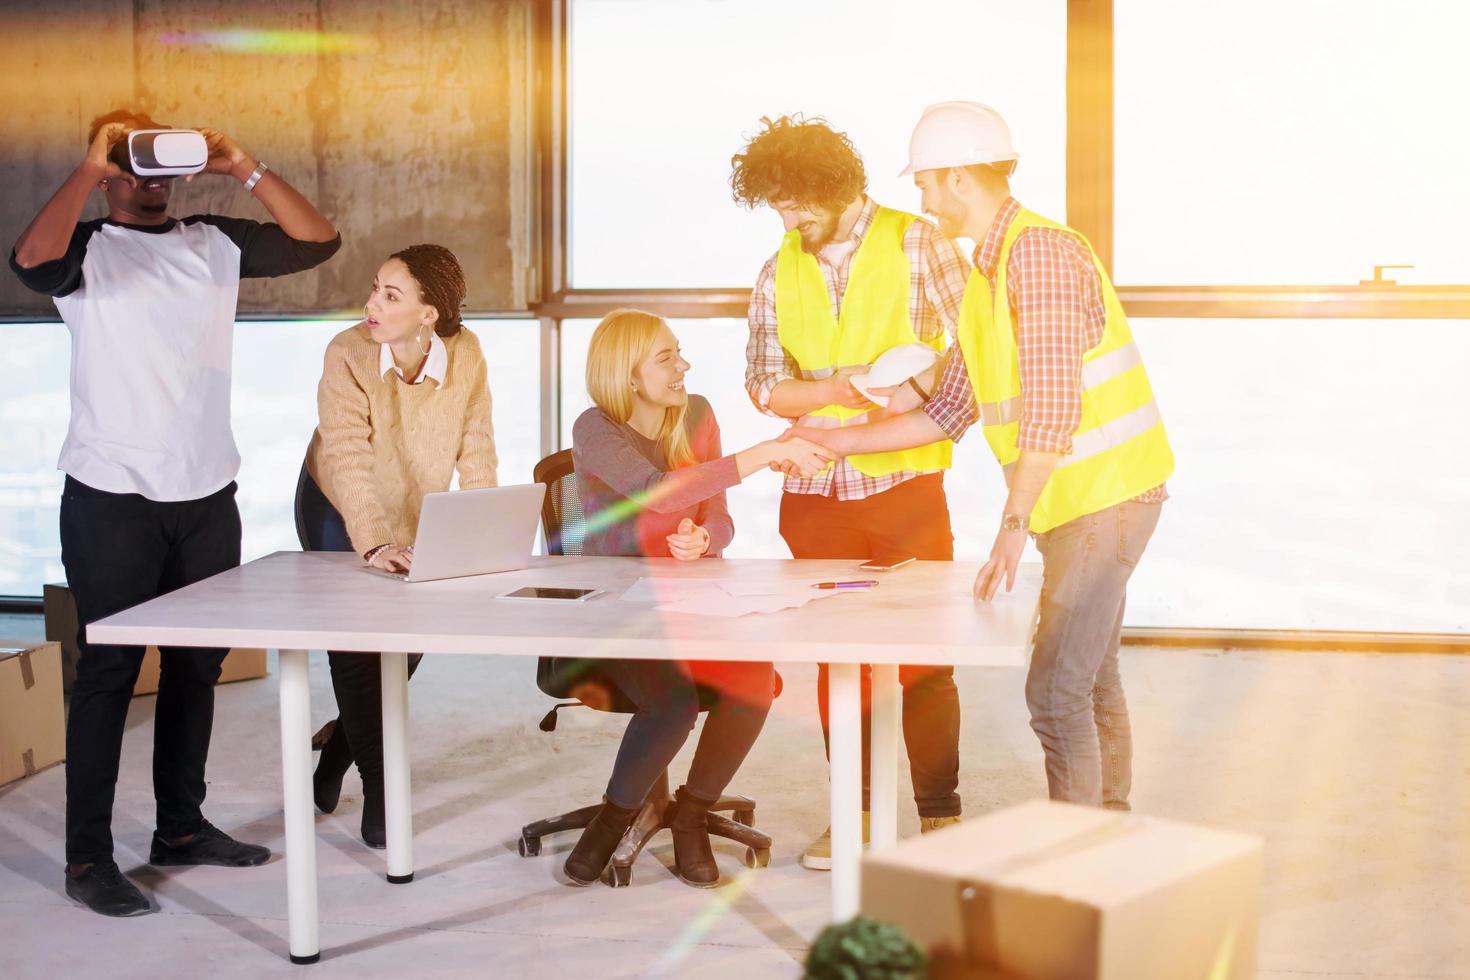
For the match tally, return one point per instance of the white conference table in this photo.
(294, 602)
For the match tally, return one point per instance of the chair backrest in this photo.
(562, 520)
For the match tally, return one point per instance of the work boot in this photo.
(103, 889)
(331, 766)
(818, 855)
(594, 849)
(930, 824)
(207, 845)
(693, 858)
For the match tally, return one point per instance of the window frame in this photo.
(1090, 207)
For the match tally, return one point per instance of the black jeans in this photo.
(911, 519)
(667, 695)
(357, 678)
(121, 549)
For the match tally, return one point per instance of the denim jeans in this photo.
(1074, 690)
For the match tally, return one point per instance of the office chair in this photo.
(563, 523)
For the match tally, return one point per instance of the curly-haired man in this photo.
(850, 280)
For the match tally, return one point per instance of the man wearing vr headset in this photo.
(149, 500)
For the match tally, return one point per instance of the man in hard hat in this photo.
(850, 281)
(1047, 365)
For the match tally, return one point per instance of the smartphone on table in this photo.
(878, 566)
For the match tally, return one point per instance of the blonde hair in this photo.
(619, 344)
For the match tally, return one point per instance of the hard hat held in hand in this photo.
(894, 366)
(958, 134)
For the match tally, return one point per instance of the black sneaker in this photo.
(209, 845)
(104, 890)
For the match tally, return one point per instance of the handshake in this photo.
(799, 452)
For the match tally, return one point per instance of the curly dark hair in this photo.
(441, 283)
(794, 158)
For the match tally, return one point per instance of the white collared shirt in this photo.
(436, 367)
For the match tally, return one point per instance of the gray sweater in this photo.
(631, 498)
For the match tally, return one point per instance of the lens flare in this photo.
(270, 42)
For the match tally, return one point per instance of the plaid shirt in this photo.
(1058, 312)
(937, 275)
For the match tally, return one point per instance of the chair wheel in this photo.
(745, 817)
(617, 877)
(757, 857)
(528, 846)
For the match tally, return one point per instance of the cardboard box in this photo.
(60, 609)
(32, 720)
(1048, 890)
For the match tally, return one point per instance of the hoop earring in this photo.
(419, 339)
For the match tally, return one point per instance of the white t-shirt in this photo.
(151, 310)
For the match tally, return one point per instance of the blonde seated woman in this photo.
(652, 478)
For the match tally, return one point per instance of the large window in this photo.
(1255, 160)
(1301, 142)
(663, 92)
(1298, 502)
(277, 365)
(1320, 483)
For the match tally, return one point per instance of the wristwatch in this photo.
(256, 174)
(1013, 522)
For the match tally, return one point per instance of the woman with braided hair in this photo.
(403, 404)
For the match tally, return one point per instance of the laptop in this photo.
(474, 532)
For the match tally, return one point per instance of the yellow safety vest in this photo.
(874, 318)
(1119, 449)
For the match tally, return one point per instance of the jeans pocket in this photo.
(1136, 522)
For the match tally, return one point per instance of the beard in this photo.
(153, 208)
(951, 215)
(821, 235)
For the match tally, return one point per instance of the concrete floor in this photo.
(1354, 768)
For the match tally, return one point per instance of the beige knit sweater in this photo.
(381, 443)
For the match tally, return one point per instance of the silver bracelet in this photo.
(256, 174)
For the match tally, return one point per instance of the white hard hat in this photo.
(958, 134)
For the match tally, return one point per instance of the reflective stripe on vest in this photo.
(1119, 450)
(873, 318)
(1094, 373)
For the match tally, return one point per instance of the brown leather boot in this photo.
(692, 854)
(596, 845)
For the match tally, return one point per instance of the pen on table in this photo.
(866, 583)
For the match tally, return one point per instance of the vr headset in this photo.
(161, 153)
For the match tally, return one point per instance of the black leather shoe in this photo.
(594, 849)
(693, 857)
(209, 845)
(103, 889)
(374, 821)
(331, 766)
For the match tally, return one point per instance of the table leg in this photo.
(884, 763)
(397, 801)
(301, 909)
(845, 721)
